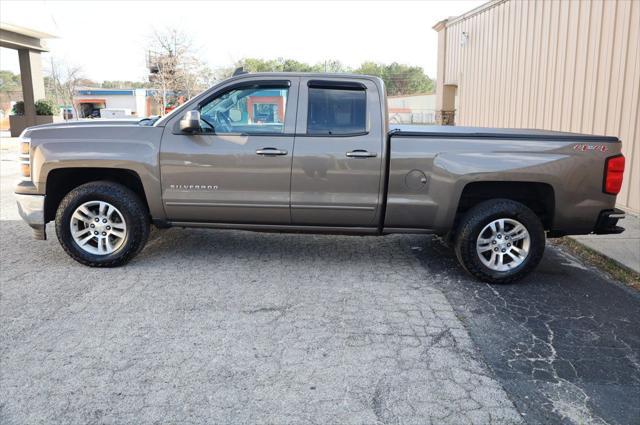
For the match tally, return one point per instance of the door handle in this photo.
(361, 153)
(271, 152)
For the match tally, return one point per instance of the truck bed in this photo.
(407, 130)
(433, 168)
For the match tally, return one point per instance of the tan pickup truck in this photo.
(315, 153)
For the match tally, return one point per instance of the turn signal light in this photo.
(25, 169)
(25, 148)
(25, 157)
(613, 172)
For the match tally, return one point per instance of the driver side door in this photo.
(237, 168)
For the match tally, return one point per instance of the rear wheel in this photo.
(500, 241)
(102, 224)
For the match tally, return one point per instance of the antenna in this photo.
(239, 71)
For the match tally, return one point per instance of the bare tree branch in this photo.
(175, 68)
(65, 80)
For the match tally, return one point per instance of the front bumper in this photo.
(31, 209)
(608, 222)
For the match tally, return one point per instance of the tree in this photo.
(399, 78)
(175, 68)
(9, 82)
(287, 65)
(333, 66)
(10, 87)
(208, 77)
(63, 82)
(121, 84)
(86, 82)
(195, 78)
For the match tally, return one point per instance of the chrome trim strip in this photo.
(333, 207)
(222, 204)
(409, 230)
(279, 227)
(237, 205)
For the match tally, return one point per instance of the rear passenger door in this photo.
(338, 151)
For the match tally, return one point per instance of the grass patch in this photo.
(600, 261)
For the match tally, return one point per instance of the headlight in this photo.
(25, 157)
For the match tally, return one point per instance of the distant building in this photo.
(89, 101)
(412, 109)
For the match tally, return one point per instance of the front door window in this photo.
(251, 110)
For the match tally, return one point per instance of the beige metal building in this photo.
(569, 65)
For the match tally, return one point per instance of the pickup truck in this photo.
(314, 153)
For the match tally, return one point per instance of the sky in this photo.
(108, 39)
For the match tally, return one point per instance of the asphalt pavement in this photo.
(235, 327)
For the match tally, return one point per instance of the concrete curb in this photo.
(623, 249)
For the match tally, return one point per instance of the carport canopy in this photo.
(29, 44)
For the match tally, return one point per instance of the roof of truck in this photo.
(406, 130)
(307, 74)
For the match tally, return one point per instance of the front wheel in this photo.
(500, 241)
(102, 224)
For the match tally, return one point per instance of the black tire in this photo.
(126, 201)
(480, 216)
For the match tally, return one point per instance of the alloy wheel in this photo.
(98, 227)
(503, 244)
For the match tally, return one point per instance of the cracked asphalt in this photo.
(240, 328)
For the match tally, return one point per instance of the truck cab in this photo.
(279, 150)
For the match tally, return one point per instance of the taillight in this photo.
(613, 171)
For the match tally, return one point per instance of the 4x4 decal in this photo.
(584, 147)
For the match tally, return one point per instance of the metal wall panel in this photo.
(569, 65)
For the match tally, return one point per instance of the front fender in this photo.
(130, 148)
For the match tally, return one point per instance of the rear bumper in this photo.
(608, 222)
(31, 209)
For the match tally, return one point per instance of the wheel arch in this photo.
(61, 181)
(539, 197)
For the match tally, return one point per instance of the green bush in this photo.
(18, 108)
(44, 107)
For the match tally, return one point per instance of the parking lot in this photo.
(235, 327)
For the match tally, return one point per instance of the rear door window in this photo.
(336, 111)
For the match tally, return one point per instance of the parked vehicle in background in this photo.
(115, 113)
(315, 153)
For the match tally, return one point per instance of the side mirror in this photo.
(190, 122)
